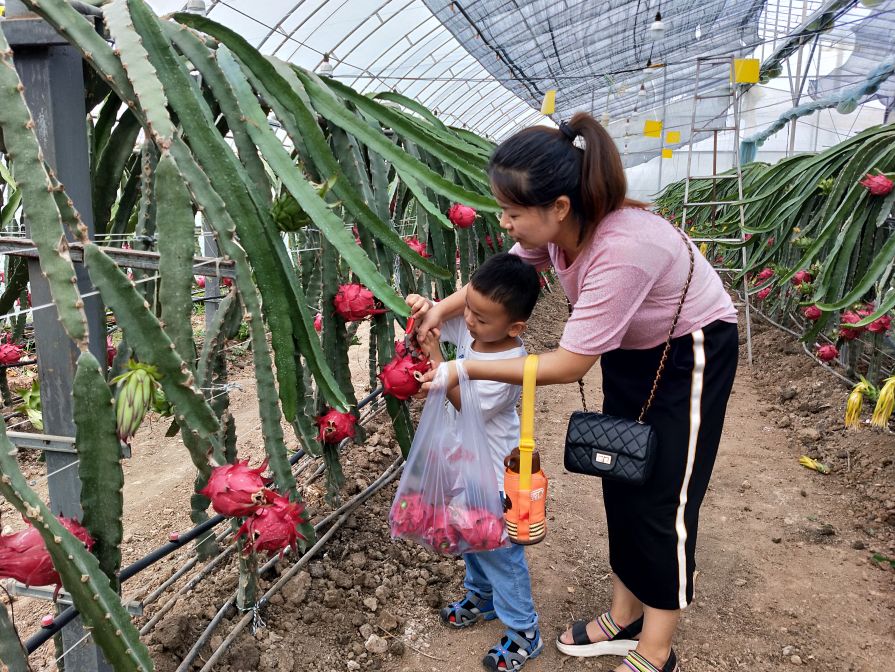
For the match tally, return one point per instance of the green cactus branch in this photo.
(37, 188)
(12, 653)
(98, 604)
(99, 463)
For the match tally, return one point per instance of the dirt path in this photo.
(784, 555)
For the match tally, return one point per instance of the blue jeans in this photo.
(503, 575)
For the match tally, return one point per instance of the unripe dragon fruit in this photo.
(355, 302)
(274, 527)
(136, 395)
(336, 426)
(237, 490)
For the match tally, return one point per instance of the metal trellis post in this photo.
(52, 72)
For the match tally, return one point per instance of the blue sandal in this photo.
(469, 611)
(513, 651)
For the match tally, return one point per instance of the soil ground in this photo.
(787, 575)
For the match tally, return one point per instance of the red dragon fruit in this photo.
(880, 325)
(799, 277)
(762, 294)
(274, 527)
(410, 515)
(812, 313)
(479, 528)
(318, 323)
(765, 274)
(200, 281)
(461, 216)
(355, 302)
(226, 282)
(10, 353)
(24, 556)
(398, 377)
(417, 246)
(336, 426)
(236, 490)
(877, 185)
(850, 333)
(441, 535)
(827, 353)
(111, 351)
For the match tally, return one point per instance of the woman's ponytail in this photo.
(538, 165)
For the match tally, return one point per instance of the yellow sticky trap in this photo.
(652, 128)
(549, 104)
(673, 137)
(666, 153)
(745, 70)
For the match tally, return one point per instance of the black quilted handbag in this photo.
(617, 448)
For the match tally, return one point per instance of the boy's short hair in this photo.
(508, 280)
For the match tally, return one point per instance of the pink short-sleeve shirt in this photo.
(625, 286)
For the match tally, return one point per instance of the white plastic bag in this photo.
(448, 499)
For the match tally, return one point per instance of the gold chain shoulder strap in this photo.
(677, 314)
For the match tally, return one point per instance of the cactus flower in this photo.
(318, 323)
(885, 404)
(10, 353)
(461, 216)
(765, 274)
(800, 277)
(336, 426)
(880, 325)
(826, 353)
(355, 302)
(417, 246)
(398, 378)
(877, 185)
(236, 490)
(136, 394)
(850, 333)
(24, 556)
(761, 295)
(274, 527)
(200, 281)
(812, 313)
(854, 404)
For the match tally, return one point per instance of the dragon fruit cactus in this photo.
(273, 528)
(336, 426)
(398, 379)
(354, 302)
(237, 490)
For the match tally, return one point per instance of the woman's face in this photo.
(532, 226)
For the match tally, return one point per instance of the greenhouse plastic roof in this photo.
(485, 64)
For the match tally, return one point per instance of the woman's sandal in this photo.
(513, 651)
(469, 611)
(619, 642)
(637, 663)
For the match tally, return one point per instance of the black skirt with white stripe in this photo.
(652, 527)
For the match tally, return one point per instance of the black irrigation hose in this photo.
(68, 615)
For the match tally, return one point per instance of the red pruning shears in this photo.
(410, 343)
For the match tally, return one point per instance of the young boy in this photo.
(501, 296)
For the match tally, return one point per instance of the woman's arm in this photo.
(559, 366)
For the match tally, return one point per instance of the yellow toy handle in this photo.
(527, 433)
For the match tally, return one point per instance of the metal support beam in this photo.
(53, 76)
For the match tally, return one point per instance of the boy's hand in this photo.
(419, 305)
(431, 345)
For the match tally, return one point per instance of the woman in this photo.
(623, 269)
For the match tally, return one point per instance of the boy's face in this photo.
(487, 320)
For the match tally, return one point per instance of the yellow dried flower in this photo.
(885, 404)
(854, 405)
